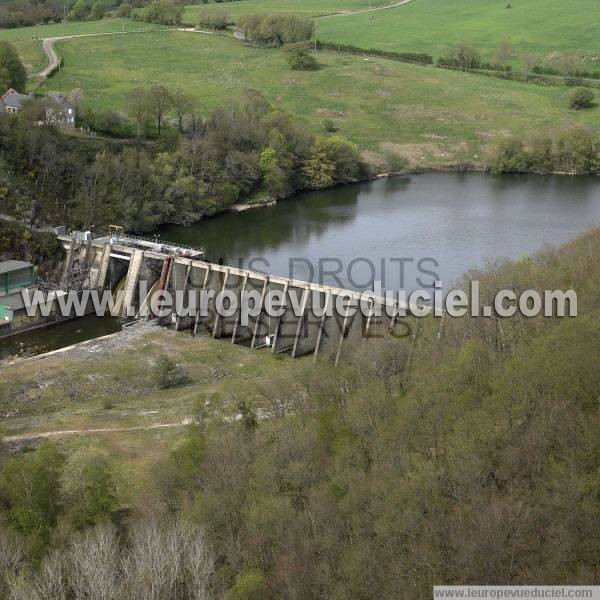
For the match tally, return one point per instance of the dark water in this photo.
(457, 220)
(58, 336)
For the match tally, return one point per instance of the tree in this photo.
(213, 19)
(274, 30)
(464, 56)
(300, 57)
(97, 12)
(565, 64)
(139, 107)
(510, 156)
(529, 62)
(581, 98)
(29, 483)
(182, 105)
(159, 103)
(124, 10)
(79, 12)
(577, 150)
(503, 54)
(167, 374)
(163, 12)
(12, 71)
(249, 585)
(87, 487)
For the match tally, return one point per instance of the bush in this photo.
(300, 57)
(329, 126)
(166, 374)
(581, 98)
(12, 71)
(162, 12)
(213, 19)
(275, 30)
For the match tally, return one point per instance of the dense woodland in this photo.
(209, 165)
(467, 454)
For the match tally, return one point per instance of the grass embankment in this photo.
(440, 115)
(433, 26)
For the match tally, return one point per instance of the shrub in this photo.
(213, 19)
(162, 12)
(166, 374)
(275, 30)
(300, 57)
(329, 126)
(581, 98)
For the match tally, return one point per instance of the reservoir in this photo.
(452, 222)
(442, 223)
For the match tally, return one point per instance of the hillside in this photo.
(433, 26)
(425, 111)
(463, 457)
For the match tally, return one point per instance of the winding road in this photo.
(54, 61)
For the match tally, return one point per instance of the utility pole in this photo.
(315, 35)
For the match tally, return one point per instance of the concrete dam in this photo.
(302, 327)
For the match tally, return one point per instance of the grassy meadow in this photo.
(32, 55)
(306, 8)
(426, 112)
(433, 26)
(74, 28)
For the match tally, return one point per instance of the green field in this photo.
(79, 28)
(433, 26)
(427, 111)
(32, 55)
(307, 8)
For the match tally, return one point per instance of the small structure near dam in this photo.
(303, 325)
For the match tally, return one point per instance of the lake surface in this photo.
(451, 222)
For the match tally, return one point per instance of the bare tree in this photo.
(95, 564)
(529, 62)
(50, 582)
(159, 103)
(503, 54)
(198, 562)
(138, 102)
(152, 564)
(11, 558)
(568, 64)
(182, 106)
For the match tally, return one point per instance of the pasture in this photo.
(432, 115)
(305, 8)
(37, 32)
(433, 26)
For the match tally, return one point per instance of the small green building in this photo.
(15, 274)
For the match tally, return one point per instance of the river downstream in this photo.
(450, 222)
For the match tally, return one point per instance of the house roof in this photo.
(8, 266)
(13, 99)
(60, 101)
